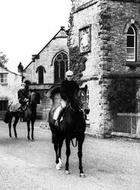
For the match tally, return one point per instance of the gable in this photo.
(60, 34)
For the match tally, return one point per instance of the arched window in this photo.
(131, 44)
(40, 71)
(60, 67)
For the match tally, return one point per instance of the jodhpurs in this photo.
(59, 109)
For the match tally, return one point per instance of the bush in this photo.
(122, 95)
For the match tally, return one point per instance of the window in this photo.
(40, 71)
(3, 78)
(131, 44)
(60, 67)
(3, 105)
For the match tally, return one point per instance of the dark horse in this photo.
(29, 115)
(72, 126)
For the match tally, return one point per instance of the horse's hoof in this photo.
(60, 162)
(58, 166)
(28, 138)
(67, 172)
(33, 139)
(82, 175)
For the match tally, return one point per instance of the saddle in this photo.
(23, 108)
(13, 107)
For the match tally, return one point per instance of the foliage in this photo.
(122, 95)
(3, 59)
(77, 62)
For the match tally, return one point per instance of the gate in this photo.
(126, 122)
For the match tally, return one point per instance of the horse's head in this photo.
(33, 98)
(79, 102)
(82, 96)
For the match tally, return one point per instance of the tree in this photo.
(3, 59)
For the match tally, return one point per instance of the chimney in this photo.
(62, 28)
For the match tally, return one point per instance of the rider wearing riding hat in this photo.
(68, 90)
(23, 96)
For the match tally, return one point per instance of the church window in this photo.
(40, 71)
(131, 44)
(60, 67)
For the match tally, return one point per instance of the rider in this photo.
(23, 96)
(68, 89)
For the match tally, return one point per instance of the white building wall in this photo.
(46, 60)
(9, 90)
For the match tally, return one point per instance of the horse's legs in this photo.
(67, 154)
(9, 125)
(14, 125)
(60, 147)
(57, 148)
(59, 153)
(80, 145)
(28, 129)
(32, 135)
(56, 145)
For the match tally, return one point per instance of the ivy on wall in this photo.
(77, 62)
(122, 95)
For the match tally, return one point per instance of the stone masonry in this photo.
(109, 21)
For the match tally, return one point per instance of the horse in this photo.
(72, 126)
(29, 115)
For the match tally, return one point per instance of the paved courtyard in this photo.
(110, 164)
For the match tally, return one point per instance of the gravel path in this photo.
(110, 164)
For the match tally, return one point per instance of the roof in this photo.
(62, 33)
(5, 68)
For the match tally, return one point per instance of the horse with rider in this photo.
(23, 96)
(25, 108)
(68, 89)
(67, 120)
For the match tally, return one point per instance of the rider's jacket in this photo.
(23, 96)
(68, 90)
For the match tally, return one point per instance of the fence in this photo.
(126, 122)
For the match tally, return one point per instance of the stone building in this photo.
(47, 69)
(106, 33)
(9, 84)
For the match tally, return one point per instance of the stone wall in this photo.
(116, 17)
(89, 17)
(109, 21)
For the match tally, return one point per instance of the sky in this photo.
(28, 25)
